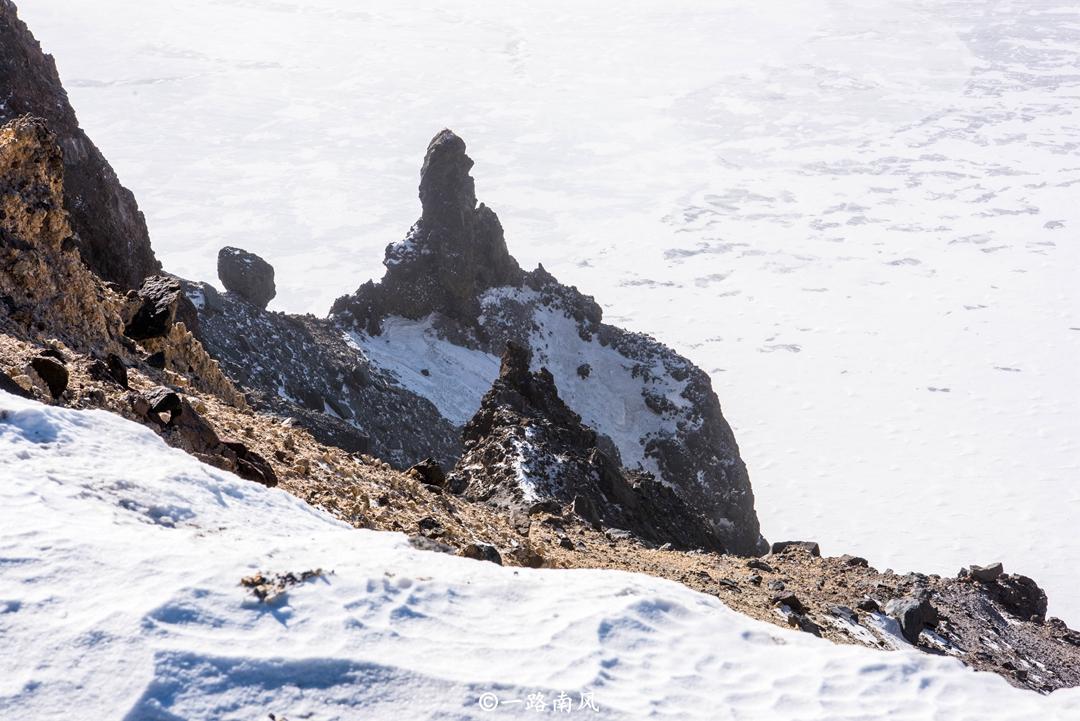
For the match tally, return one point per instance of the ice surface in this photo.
(120, 560)
(859, 217)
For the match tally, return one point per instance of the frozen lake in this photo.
(860, 218)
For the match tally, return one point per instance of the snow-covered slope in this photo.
(119, 568)
(858, 217)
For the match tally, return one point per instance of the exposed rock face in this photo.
(654, 411)
(247, 275)
(109, 230)
(45, 290)
(526, 448)
(306, 370)
(159, 301)
(453, 253)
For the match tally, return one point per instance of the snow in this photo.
(119, 567)
(457, 377)
(831, 206)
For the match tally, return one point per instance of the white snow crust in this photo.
(119, 567)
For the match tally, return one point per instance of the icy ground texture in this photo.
(859, 217)
(119, 567)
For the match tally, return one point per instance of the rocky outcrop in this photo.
(305, 369)
(247, 275)
(107, 227)
(525, 449)
(45, 290)
(451, 255)
(653, 410)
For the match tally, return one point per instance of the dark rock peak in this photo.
(525, 448)
(247, 275)
(447, 191)
(109, 229)
(451, 255)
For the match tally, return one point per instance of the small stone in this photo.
(869, 605)
(584, 370)
(854, 561)
(810, 547)
(776, 585)
(430, 527)
(790, 600)
(754, 579)
(9, 385)
(482, 552)
(52, 372)
(547, 506)
(986, 574)
(759, 565)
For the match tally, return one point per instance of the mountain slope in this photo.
(122, 599)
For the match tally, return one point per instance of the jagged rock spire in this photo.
(447, 191)
(453, 253)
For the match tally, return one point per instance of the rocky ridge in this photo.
(108, 228)
(525, 450)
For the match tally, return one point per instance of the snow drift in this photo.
(120, 562)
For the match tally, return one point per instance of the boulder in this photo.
(913, 613)
(247, 275)
(482, 552)
(1020, 596)
(111, 370)
(983, 574)
(8, 385)
(429, 472)
(52, 372)
(158, 300)
(250, 465)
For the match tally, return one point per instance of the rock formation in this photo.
(451, 255)
(247, 275)
(108, 229)
(654, 411)
(525, 447)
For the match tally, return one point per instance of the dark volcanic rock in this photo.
(1020, 596)
(482, 552)
(52, 372)
(453, 272)
(453, 253)
(810, 547)
(913, 613)
(160, 299)
(526, 447)
(250, 465)
(428, 471)
(247, 275)
(8, 385)
(110, 231)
